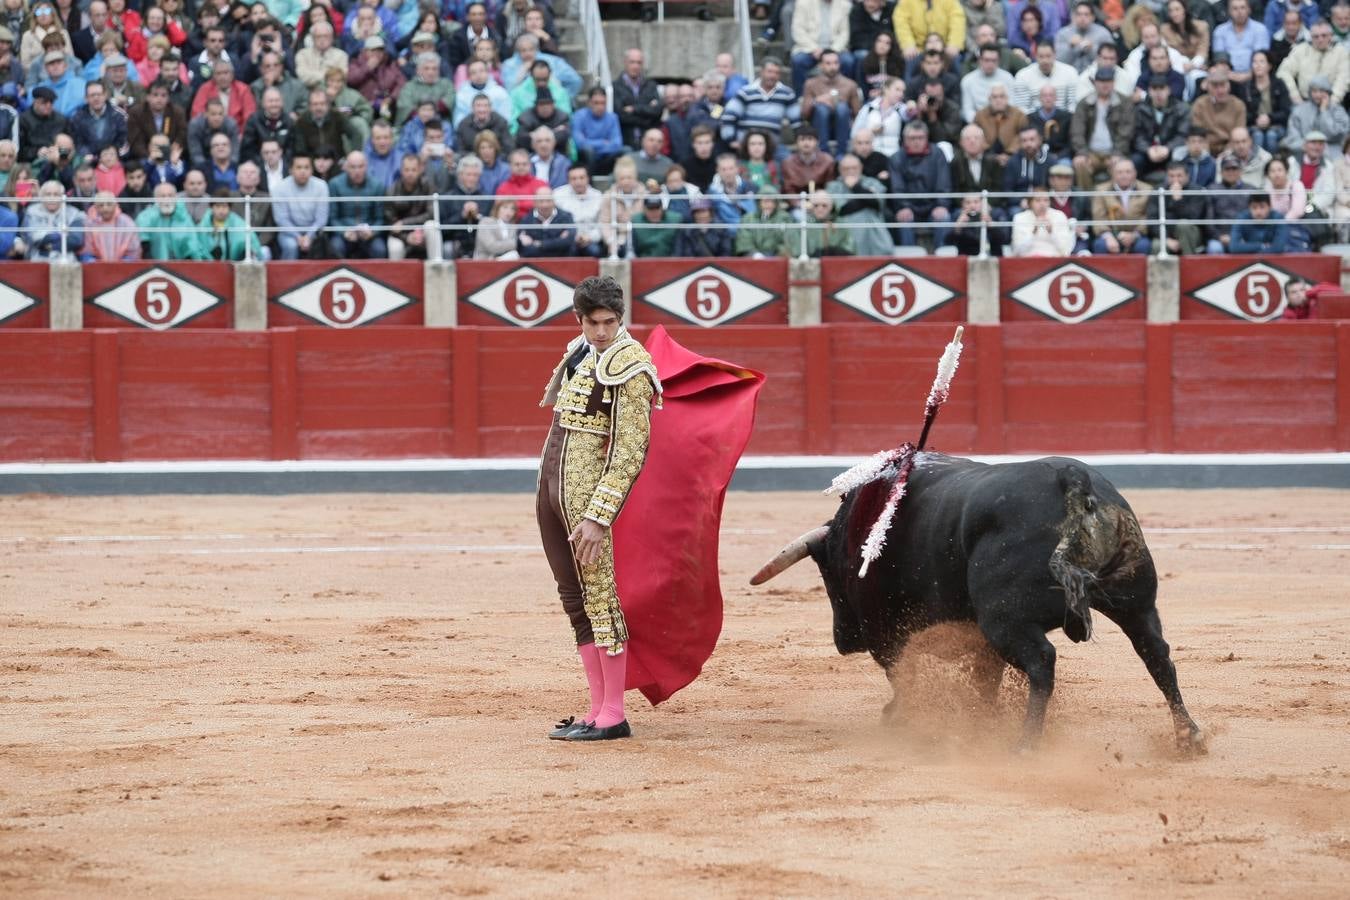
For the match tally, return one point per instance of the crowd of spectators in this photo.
(286, 129)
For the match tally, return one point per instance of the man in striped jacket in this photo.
(764, 103)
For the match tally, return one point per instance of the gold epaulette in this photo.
(625, 359)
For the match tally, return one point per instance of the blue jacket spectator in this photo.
(764, 103)
(69, 88)
(1259, 229)
(1275, 10)
(45, 220)
(596, 133)
(920, 168)
(382, 158)
(517, 68)
(352, 207)
(9, 233)
(1240, 45)
(732, 195)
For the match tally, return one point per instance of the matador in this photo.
(602, 392)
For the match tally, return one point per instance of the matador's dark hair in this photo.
(598, 292)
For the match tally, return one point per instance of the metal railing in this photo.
(745, 42)
(437, 231)
(597, 52)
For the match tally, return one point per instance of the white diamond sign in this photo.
(1254, 292)
(157, 299)
(893, 294)
(709, 296)
(343, 299)
(1072, 293)
(524, 297)
(13, 302)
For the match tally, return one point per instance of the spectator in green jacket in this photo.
(167, 231)
(763, 233)
(823, 236)
(223, 234)
(653, 241)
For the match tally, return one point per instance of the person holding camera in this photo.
(156, 116)
(164, 164)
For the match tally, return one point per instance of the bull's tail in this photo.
(1082, 556)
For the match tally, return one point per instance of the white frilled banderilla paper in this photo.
(900, 461)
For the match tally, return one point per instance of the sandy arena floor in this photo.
(347, 695)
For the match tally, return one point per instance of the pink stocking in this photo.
(595, 680)
(615, 669)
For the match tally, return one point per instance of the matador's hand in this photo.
(587, 539)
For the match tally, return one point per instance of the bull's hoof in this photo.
(1191, 741)
(891, 714)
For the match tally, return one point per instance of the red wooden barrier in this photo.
(410, 391)
(931, 289)
(520, 293)
(1074, 290)
(23, 296)
(353, 295)
(1247, 287)
(710, 292)
(159, 296)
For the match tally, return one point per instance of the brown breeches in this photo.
(553, 530)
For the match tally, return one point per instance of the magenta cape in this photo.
(665, 542)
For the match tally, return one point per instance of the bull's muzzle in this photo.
(793, 553)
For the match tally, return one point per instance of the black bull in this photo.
(1019, 549)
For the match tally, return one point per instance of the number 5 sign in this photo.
(674, 291)
(344, 297)
(156, 298)
(1071, 292)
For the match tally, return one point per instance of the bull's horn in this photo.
(793, 553)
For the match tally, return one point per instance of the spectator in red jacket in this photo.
(235, 95)
(521, 184)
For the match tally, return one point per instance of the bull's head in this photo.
(848, 631)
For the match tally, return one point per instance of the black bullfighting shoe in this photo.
(566, 727)
(592, 733)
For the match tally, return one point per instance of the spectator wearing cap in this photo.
(1118, 211)
(376, 75)
(123, 91)
(765, 103)
(1218, 111)
(704, 239)
(546, 231)
(300, 205)
(68, 88)
(1317, 114)
(235, 96)
(314, 61)
(1107, 58)
(426, 42)
(654, 230)
(1102, 129)
(479, 83)
(1227, 201)
(1259, 229)
(1322, 58)
(39, 124)
(975, 87)
(540, 82)
(1160, 126)
(97, 123)
(516, 69)
(544, 114)
(596, 133)
(1316, 171)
